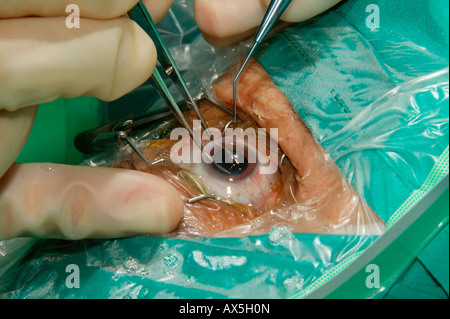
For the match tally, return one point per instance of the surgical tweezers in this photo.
(142, 17)
(273, 14)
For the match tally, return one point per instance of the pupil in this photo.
(232, 163)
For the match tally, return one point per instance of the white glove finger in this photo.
(74, 202)
(42, 60)
(226, 22)
(15, 127)
(301, 10)
(98, 9)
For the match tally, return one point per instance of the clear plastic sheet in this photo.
(306, 193)
(376, 108)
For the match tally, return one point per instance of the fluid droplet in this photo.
(170, 260)
(131, 263)
(279, 234)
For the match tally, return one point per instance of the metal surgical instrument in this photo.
(273, 14)
(142, 17)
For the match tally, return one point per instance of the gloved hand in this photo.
(41, 59)
(226, 22)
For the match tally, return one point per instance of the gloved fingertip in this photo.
(301, 10)
(224, 19)
(159, 207)
(134, 63)
(137, 203)
(76, 202)
(157, 8)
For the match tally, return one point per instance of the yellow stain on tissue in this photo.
(159, 143)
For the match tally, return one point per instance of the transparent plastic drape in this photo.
(378, 107)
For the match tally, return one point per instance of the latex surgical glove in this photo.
(225, 22)
(41, 59)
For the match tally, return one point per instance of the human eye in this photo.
(255, 189)
(234, 168)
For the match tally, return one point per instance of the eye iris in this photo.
(232, 163)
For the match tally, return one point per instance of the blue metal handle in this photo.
(273, 14)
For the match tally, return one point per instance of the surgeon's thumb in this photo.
(75, 202)
(42, 59)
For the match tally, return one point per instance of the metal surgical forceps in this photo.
(100, 138)
(142, 17)
(273, 14)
